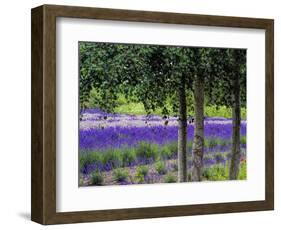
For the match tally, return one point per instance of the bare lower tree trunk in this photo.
(236, 120)
(198, 141)
(182, 134)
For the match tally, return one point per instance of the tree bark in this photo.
(182, 134)
(236, 120)
(198, 140)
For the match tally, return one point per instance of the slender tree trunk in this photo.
(236, 120)
(198, 141)
(182, 134)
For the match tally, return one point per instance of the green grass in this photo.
(135, 108)
(223, 111)
(210, 111)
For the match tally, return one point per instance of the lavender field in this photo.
(138, 149)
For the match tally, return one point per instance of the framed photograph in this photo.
(139, 114)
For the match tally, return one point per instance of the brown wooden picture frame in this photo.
(43, 170)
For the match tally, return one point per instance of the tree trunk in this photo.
(198, 141)
(236, 120)
(182, 137)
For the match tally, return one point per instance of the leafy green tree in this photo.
(227, 86)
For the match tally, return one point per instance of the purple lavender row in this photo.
(116, 137)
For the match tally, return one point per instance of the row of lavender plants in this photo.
(112, 141)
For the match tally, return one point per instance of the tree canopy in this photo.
(151, 74)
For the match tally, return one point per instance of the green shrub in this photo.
(128, 156)
(147, 150)
(113, 157)
(170, 178)
(89, 158)
(173, 147)
(215, 173)
(160, 167)
(142, 171)
(120, 174)
(166, 153)
(96, 178)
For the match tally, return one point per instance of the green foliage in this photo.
(147, 150)
(96, 178)
(166, 152)
(120, 174)
(113, 156)
(242, 171)
(224, 142)
(151, 74)
(243, 140)
(88, 158)
(160, 167)
(222, 111)
(137, 108)
(226, 65)
(220, 172)
(131, 108)
(211, 142)
(173, 147)
(215, 173)
(128, 156)
(170, 178)
(142, 171)
(207, 174)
